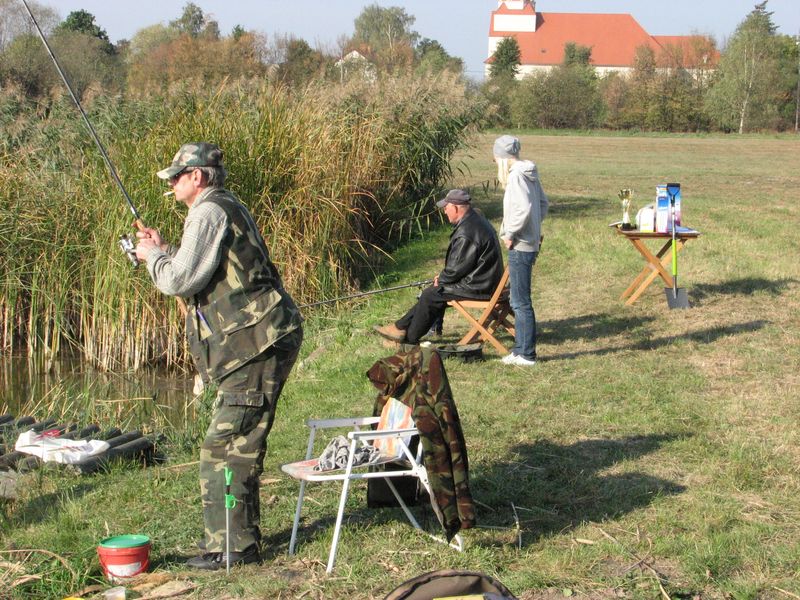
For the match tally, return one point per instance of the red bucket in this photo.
(124, 556)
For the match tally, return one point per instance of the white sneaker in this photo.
(521, 361)
(508, 359)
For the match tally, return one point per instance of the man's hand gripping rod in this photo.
(125, 242)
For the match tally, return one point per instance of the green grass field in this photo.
(649, 453)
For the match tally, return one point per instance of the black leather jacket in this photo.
(474, 264)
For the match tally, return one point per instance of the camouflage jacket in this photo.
(244, 309)
(417, 379)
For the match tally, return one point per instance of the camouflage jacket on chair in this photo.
(417, 379)
(244, 309)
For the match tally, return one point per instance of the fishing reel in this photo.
(128, 246)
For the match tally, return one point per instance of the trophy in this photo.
(625, 196)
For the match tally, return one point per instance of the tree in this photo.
(500, 93)
(524, 101)
(211, 30)
(237, 32)
(82, 47)
(681, 83)
(789, 65)
(88, 62)
(191, 20)
(643, 86)
(614, 89)
(575, 54)
(501, 86)
(301, 62)
(506, 59)
(384, 27)
(14, 20)
(81, 21)
(744, 92)
(83, 57)
(628, 99)
(433, 58)
(565, 97)
(25, 63)
(386, 35)
(176, 60)
(676, 105)
(657, 95)
(146, 40)
(570, 98)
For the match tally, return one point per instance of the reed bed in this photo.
(334, 175)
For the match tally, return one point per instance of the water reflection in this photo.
(73, 388)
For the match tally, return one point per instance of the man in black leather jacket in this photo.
(473, 268)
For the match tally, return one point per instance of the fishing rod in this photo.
(125, 241)
(418, 284)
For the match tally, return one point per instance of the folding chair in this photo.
(495, 313)
(304, 471)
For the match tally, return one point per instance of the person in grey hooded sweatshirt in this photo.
(524, 207)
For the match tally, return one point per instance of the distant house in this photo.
(355, 64)
(613, 39)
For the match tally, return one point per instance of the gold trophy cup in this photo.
(625, 196)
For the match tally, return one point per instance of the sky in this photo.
(461, 26)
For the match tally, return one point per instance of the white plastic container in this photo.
(646, 219)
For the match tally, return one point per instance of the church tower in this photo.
(511, 16)
(514, 15)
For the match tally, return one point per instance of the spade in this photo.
(676, 297)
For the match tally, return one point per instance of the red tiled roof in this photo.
(674, 40)
(613, 38)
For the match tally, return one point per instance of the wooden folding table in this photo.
(658, 264)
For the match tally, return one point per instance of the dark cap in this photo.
(457, 197)
(193, 154)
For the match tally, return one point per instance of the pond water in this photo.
(72, 387)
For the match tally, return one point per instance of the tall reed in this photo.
(333, 175)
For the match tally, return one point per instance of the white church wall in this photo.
(515, 23)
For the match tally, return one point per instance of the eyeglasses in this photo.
(174, 179)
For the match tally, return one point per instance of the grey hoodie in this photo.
(524, 207)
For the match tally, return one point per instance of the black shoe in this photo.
(212, 561)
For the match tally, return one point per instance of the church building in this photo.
(613, 39)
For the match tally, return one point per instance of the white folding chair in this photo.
(304, 472)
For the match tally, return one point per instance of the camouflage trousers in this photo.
(237, 438)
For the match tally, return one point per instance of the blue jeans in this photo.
(520, 267)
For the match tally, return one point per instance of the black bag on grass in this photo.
(446, 583)
(380, 496)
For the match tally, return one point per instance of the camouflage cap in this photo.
(193, 154)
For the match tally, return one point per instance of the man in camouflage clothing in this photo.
(244, 332)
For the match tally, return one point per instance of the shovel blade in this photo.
(676, 298)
